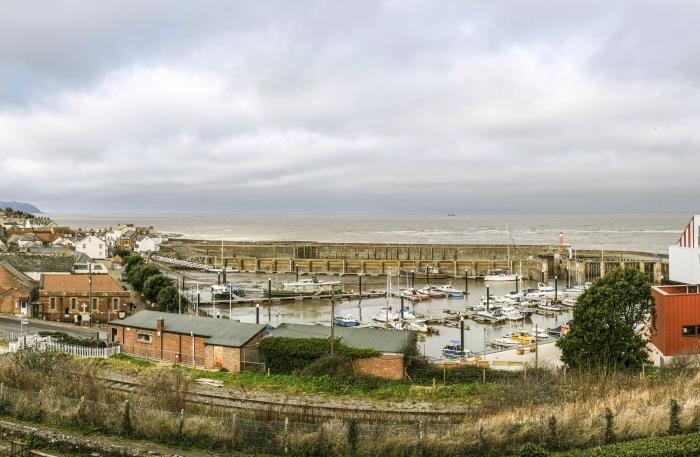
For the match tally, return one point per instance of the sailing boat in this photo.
(503, 274)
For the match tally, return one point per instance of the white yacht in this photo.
(385, 314)
(500, 275)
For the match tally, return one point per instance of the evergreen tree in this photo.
(153, 285)
(167, 300)
(603, 332)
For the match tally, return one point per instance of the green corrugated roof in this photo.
(382, 340)
(221, 332)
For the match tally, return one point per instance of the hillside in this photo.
(20, 206)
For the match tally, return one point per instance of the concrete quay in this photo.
(538, 262)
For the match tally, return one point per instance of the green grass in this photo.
(123, 361)
(356, 387)
(665, 446)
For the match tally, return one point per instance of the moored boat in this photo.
(414, 295)
(427, 272)
(347, 320)
(454, 349)
(450, 291)
(500, 275)
(311, 286)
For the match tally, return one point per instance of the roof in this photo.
(47, 237)
(18, 275)
(379, 339)
(117, 259)
(79, 283)
(221, 332)
(45, 263)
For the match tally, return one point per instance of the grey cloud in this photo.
(349, 106)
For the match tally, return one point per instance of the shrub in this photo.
(674, 422)
(154, 284)
(331, 365)
(140, 273)
(532, 450)
(609, 436)
(286, 355)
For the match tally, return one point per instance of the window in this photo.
(52, 303)
(115, 304)
(143, 337)
(688, 330)
(100, 245)
(84, 246)
(94, 303)
(73, 303)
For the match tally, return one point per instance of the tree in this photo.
(167, 300)
(154, 284)
(603, 332)
(139, 275)
(132, 261)
(123, 253)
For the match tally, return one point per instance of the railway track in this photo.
(293, 407)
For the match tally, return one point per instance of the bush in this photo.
(168, 300)
(532, 450)
(140, 273)
(331, 365)
(670, 446)
(287, 355)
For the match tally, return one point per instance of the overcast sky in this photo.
(394, 106)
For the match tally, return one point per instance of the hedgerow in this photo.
(287, 355)
(668, 446)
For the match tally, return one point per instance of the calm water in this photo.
(646, 232)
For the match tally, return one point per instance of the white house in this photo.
(92, 246)
(684, 256)
(145, 243)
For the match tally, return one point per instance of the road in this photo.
(11, 324)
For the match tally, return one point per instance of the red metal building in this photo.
(676, 327)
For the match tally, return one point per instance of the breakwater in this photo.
(539, 262)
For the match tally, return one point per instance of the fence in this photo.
(46, 343)
(222, 431)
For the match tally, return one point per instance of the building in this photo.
(391, 345)
(92, 246)
(684, 256)
(201, 341)
(92, 297)
(676, 325)
(17, 290)
(145, 244)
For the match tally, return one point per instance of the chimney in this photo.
(160, 323)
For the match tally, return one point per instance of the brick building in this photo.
(202, 341)
(17, 290)
(390, 343)
(97, 297)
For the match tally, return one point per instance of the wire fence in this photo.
(221, 430)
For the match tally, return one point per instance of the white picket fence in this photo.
(46, 343)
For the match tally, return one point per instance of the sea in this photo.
(640, 232)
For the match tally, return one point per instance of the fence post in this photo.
(2, 396)
(182, 422)
(421, 436)
(286, 434)
(233, 428)
(483, 375)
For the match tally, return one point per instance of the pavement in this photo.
(11, 324)
(549, 356)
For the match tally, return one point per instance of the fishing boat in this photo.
(431, 292)
(429, 271)
(310, 286)
(347, 320)
(414, 295)
(450, 291)
(547, 305)
(500, 275)
(454, 349)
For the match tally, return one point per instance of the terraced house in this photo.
(92, 297)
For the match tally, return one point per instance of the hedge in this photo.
(666, 446)
(287, 355)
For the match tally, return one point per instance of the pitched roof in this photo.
(45, 263)
(79, 283)
(221, 332)
(379, 339)
(18, 275)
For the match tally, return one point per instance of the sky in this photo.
(350, 107)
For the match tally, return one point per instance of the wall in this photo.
(12, 292)
(104, 300)
(675, 309)
(684, 264)
(387, 366)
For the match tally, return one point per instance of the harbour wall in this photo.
(541, 262)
